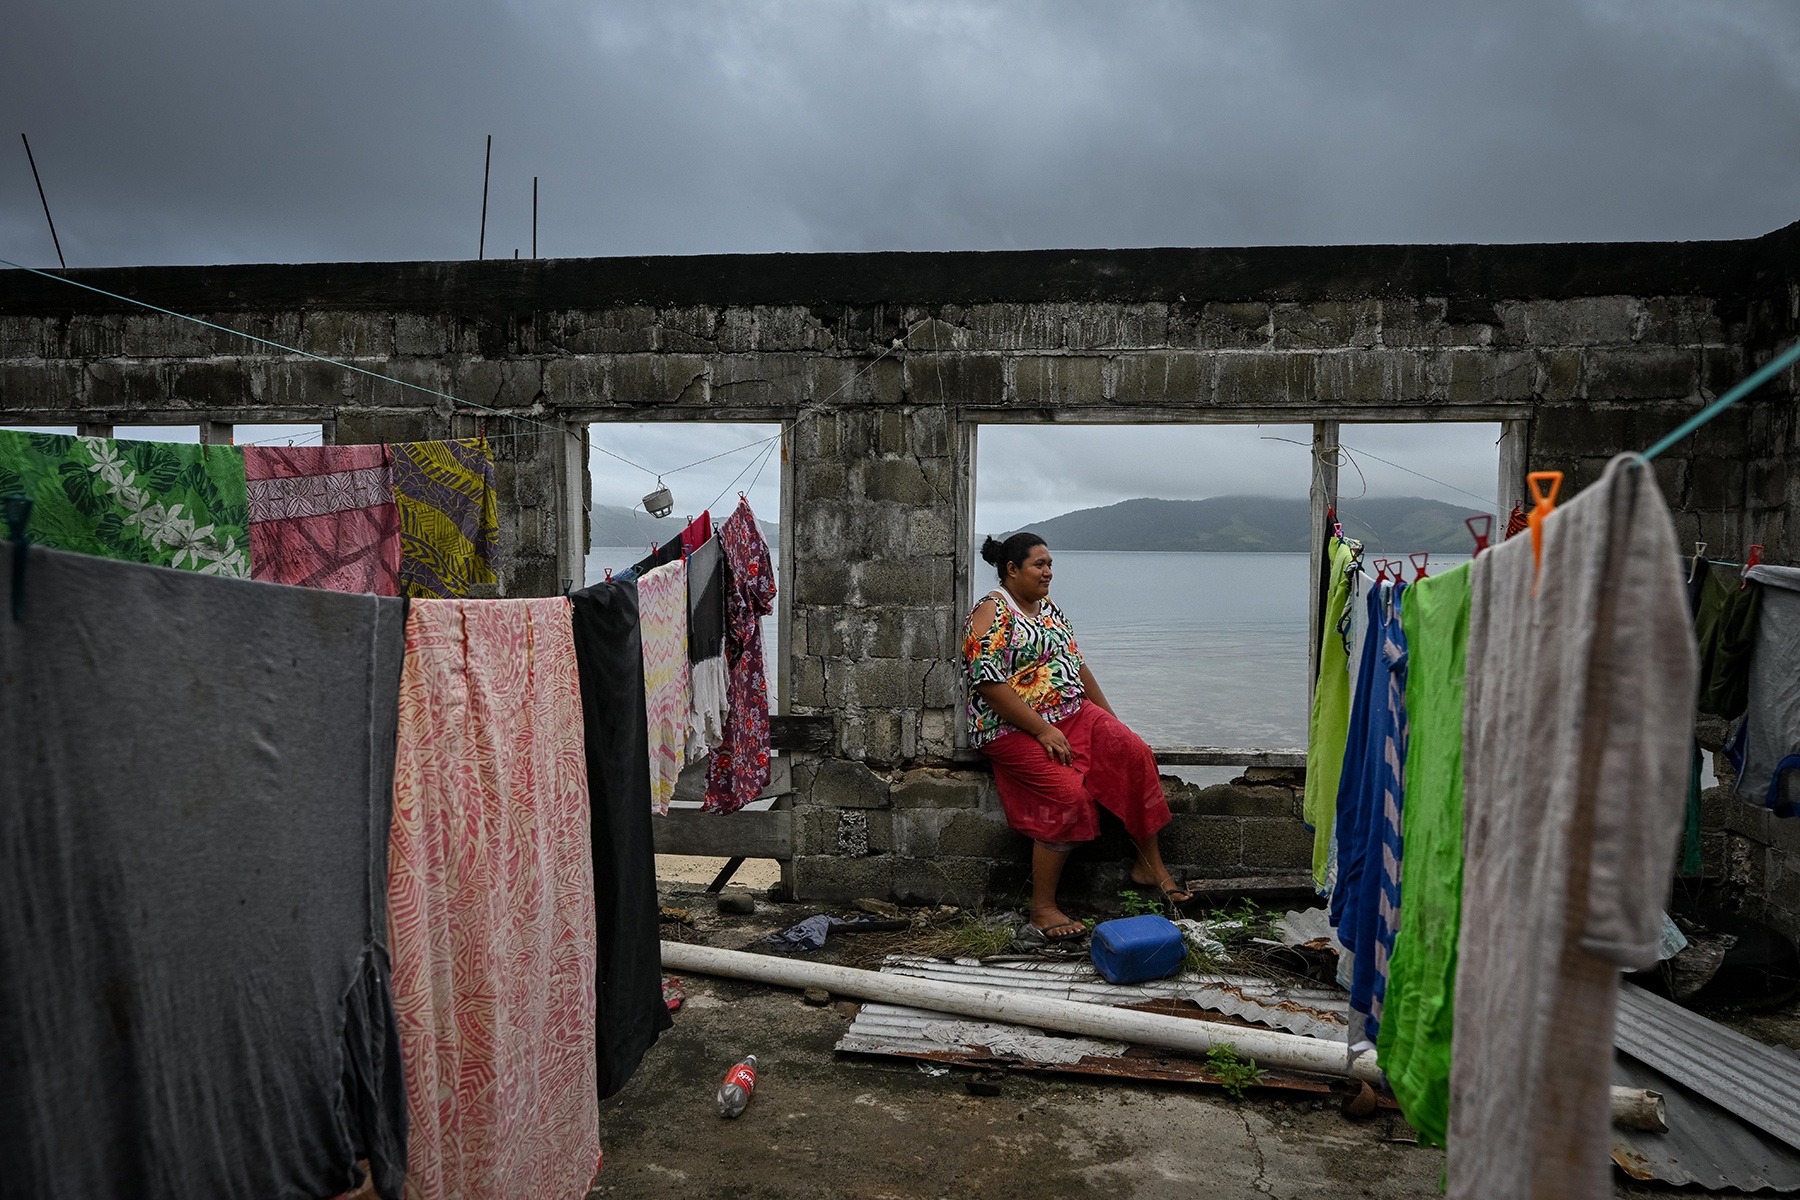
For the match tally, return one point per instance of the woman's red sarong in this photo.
(1050, 802)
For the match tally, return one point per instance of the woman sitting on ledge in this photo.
(1057, 748)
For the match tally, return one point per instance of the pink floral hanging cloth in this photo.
(491, 905)
(740, 763)
(663, 621)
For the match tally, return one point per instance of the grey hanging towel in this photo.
(1577, 727)
(609, 657)
(194, 997)
(1772, 723)
(706, 648)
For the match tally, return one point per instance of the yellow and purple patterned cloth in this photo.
(448, 524)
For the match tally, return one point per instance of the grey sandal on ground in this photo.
(1030, 938)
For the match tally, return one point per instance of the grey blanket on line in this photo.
(1577, 733)
(1773, 715)
(194, 997)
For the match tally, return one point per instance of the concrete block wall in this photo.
(933, 835)
(884, 366)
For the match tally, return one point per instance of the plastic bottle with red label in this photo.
(734, 1093)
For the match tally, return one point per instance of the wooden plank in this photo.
(767, 834)
(811, 734)
(1226, 756)
(1255, 885)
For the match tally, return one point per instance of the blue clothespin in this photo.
(17, 510)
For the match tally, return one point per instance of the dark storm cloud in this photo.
(191, 131)
(280, 130)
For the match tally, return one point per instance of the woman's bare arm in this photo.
(1092, 687)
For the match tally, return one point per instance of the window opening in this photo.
(705, 464)
(1182, 553)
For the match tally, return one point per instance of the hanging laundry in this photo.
(662, 556)
(698, 532)
(1771, 730)
(1329, 722)
(1365, 904)
(193, 991)
(1576, 736)
(668, 698)
(706, 649)
(628, 1004)
(1414, 1043)
(167, 504)
(1516, 523)
(449, 529)
(739, 769)
(491, 904)
(324, 517)
(1725, 619)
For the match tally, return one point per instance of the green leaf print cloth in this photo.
(162, 503)
(1329, 726)
(1414, 1044)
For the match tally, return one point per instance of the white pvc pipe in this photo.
(1290, 1051)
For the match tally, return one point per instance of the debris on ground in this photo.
(818, 997)
(672, 993)
(679, 916)
(880, 908)
(987, 1083)
(737, 901)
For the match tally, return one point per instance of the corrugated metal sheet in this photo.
(1705, 1144)
(1315, 1012)
(1739, 1074)
(939, 1037)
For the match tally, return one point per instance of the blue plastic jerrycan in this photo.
(1135, 949)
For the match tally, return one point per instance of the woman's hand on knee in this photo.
(1056, 745)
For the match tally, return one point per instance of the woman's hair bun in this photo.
(1012, 552)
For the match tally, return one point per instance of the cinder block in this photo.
(1173, 377)
(831, 878)
(1326, 324)
(1236, 327)
(841, 783)
(1642, 373)
(881, 683)
(933, 787)
(962, 882)
(1260, 380)
(921, 581)
(1231, 800)
(974, 835)
(1205, 845)
(1284, 843)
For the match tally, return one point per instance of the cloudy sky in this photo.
(199, 131)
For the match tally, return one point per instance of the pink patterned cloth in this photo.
(740, 763)
(663, 622)
(491, 905)
(324, 517)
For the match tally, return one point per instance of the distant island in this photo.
(612, 522)
(1389, 524)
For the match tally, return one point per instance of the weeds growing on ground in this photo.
(972, 936)
(1235, 1074)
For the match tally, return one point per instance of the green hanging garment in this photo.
(164, 503)
(1414, 1045)
(1329, 724)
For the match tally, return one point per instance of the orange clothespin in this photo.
(1419, 559)
(1480, 535)
(1755, 557)
(1542, 506)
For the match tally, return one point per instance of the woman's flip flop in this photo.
(1030, 937)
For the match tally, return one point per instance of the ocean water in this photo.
(1190, 649)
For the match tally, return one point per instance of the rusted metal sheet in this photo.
(1705, 1145)
(1230, 1000)
(1315, 1012)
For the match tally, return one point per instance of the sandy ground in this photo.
(758, 874)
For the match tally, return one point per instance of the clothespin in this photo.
(1381, 566)
(1543, 505)
(1699, 557)
(17, 510)
(484, 444)
(1755, 557)
(1480, 535)
(1419, 559)
(609, 574)
(567, 584)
